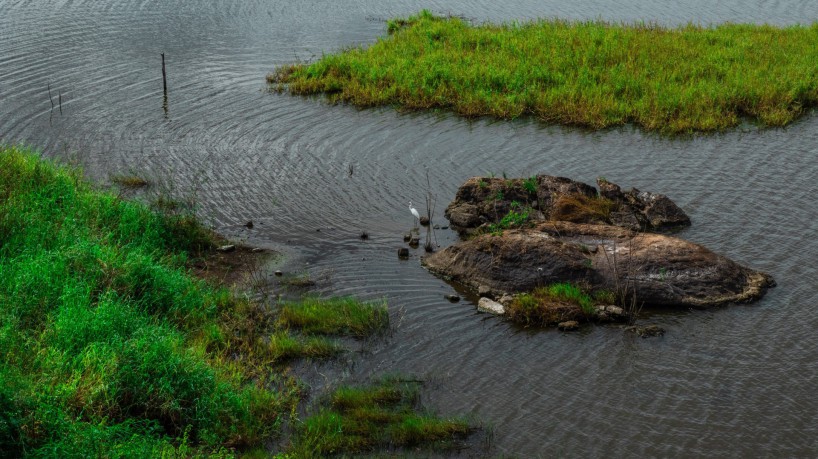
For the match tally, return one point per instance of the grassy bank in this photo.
(109, 347)
(594, 74)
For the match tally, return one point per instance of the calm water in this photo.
(736, 381)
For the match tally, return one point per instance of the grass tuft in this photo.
(552, 304)
(578, 208)
(387, 414)
(335, 316)
(593, 74)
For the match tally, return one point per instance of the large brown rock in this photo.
(482, 201)
(660, 269)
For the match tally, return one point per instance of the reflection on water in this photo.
(731, 381)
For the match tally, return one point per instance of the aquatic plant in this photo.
(592, 73)
(386, 414)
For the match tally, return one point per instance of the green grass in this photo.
(335, 316)
(384, 415)
(109, 347)
(554, 303)
(593, 74)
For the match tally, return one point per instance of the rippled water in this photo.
(734, 381)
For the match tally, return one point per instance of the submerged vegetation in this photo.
(360, 419)
(594, 74)
(109, 347)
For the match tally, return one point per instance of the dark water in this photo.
(735, 381)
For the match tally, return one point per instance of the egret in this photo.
(414, 211)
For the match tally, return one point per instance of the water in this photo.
(734, 381)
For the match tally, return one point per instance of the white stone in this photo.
(490, 306)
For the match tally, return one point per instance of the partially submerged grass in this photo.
(129, 180)
(335, 316)
(109, 347)
(594, 74)
(555, 303)
(387, 414)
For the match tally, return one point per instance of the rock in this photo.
(424, 221)
(403, 252)
(665, 271)
(487, 200)
(506, 299)
(609, 190)
(452, 297)
(484, 200)
(279, 273)
(659, 211)
(364, 235)
(649, 331)
(436, 227)
(407, 237)
(227, 248)
(490, 306)
(611, 313)
(414, 241)
(257, 250)
(568, 325)
(483, 290)
(249, 224)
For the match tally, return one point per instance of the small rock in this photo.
(403, 252)
(364, 235)
(615, 311)
(490, 306)
(249, 224)
(483, 290)
(424, 221)
(650, 330)
(227, 248)
(452, 297)
(568, 325)
(407, 237)
(257, 250)
(414, 241)
(436, 227)
(506, 299)
(444, 227)
(279, 273)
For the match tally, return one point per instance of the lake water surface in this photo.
(736, 381)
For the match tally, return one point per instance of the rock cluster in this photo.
(607, 243)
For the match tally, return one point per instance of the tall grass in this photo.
(110, 348)
(97, 319)
(594, 74)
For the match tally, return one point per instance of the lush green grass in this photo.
(335, 316)
(109, 347)
(384, 415)
(594, 74)
(556, 303)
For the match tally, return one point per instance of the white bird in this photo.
(414, 211)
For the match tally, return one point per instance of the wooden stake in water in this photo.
(164, 76)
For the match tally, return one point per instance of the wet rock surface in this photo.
(663, 270)
(483, 201)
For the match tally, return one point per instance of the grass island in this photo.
(593, 74)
